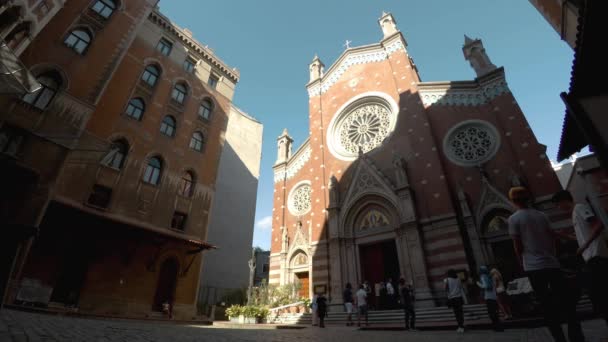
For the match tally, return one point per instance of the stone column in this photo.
(335, 260)
(479, 253)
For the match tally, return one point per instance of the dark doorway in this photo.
(71, 277)
(379, 261)
(167, 281)
(505, 260)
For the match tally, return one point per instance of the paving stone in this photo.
(24, 326)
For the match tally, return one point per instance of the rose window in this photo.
(471, 143)
(364, 128)
(299, 201)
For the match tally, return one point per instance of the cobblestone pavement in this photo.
(22, 326)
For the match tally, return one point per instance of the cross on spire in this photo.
(347, 44)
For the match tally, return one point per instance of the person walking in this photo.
(322, 309)
(534, 244)
(588, 231)
(313, 308)
(501, 293)
(347, 297)
(453, 287)
(489, 295)
(407, 300)
(390, 294)
(361, 305)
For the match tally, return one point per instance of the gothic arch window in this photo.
(299, 260)
(18, 34)
(50, 83)
(186, 184)
(197, 141)
(153, 171)
(78, 40)
(167, 127)
(372, 218)
(362, 125)
(115, 158)
(496, 222)
(471, 143)
(135, 108)
(104, 8)
(179, 93)
(299, 201)
(151, 75)
(205, 110)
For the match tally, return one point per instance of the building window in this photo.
(135, 108)
(299, 202)
(44, 7)
(100, 196)
(104, 8)
(471, 143)
(164, 46)
(11, 140)
(196, 142)
(115, 158)
(179, 221)
(78, 40)
(167, 127)
(213, 81)
(151, 75)
(186, 184)
(265, 268)
(189, 65)
(204, 111)
(179, 93)
(41, 98)
(153, 171)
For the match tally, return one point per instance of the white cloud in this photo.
(265, 223)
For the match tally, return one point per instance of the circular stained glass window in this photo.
(471, 143)
(361, 127)
(299, 200)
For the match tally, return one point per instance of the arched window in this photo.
(153, 171)
(197, 141)
(50, 83)
(186, 184)
(179, 93)
(167, 127)
(151, 75)
(18, 34)
(78, 40)
(204, 111)
(115, 158)
(136, 108)
(104, 8)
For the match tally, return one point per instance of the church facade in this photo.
(399, 177)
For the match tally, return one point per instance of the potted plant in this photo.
(262, 314)
(235, 313)
(250, 312)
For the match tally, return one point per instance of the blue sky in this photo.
(271, 42)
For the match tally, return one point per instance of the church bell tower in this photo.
(475, 53)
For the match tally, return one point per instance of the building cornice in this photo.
(165, 23)
(464, 93)
(287, 170)
(372, 53)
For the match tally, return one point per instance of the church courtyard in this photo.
(23, 326)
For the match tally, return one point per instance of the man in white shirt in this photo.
(534, 244)
(588, 231)
(361, 305)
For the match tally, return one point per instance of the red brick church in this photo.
(400, 177)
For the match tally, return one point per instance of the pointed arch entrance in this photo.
(166, 284)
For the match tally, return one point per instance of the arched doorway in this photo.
(301, 276)
(498, 243)
(167, 281)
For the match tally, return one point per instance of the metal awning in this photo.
(15, 78)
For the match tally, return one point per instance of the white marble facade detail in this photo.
(299, 202)
(294, 165)
(469, 96)
(354, 58)
(471, 143)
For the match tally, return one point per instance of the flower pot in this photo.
(241, 319)
(234, 319)
(250, 320)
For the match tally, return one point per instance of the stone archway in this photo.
(497, 242)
